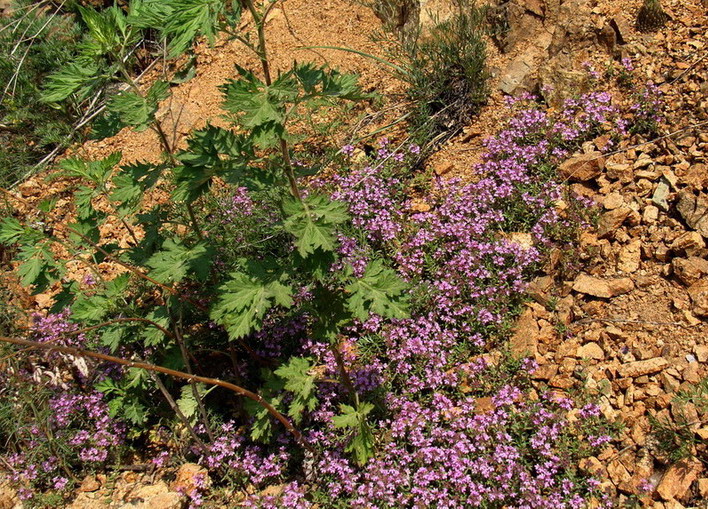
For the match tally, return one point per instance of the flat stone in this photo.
(678, 479)
(525, 339)
(602, 288)
(650, 214)
(699, 297)
(594, 286)
(660, 196)
(689, 270)
(611, 221)
(630, 257)
(621, 286)
(694, 210)
(639, 368)
(688, 241)
(613, 201)
(590, 351)
(582, 168)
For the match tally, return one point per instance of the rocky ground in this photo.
(628, 320)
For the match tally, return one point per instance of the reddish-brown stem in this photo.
(171, 372)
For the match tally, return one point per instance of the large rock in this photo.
(611, 220)
(190, 477)
(689, 270)
(640, 368)
(602, 288)
(630, 256)
(678, 479)
(525, 339)
(583, 167)
(694, 210)
(699, 297)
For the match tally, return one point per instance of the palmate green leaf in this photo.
(30, 270)
(97, 172)
(245, 299)
(130, 185)
(187, 403)
(38, 267)
(152, 336)
(135, 110)
(259, 106)
(213, 152)
(262, 428)
(11, 230)
(379, 291)
(362, 441)
(175, 260)
(103, 27)
(190, 19)
(91, 309)
(313, 222)
(327, 83)
(299, 381)
(72, 78)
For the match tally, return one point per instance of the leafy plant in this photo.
(173, 264)
(34, 42)
(651, 16)
(446, 74)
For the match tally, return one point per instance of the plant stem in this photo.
(346, 379)
(195, 390)
(262, 52)
(175, 408)
(171, 372)
(195, 223)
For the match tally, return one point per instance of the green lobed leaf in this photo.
(11, 230)
(299, 381)
(175, 260)
(245, 299)
(379, 291)
(313, 221)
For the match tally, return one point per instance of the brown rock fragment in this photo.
(611, 221)
(639, 368)
(694, 210)
(678, 479)
(583, 167)
(590, 351)
(689, 270)
(699, 297)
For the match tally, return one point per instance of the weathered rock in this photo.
(678, 479)
(593, 286)
(154, 496)
(590, 351)
(688, 242)
(689, 270)
(584, 167)
(602, 288)
(517, 76)
(694, 210)
(660, 196)
(611, 221)
(89, 484)
(699, 297)
(8, 496)
(701, 352)
(613, 201)
(630, 256)
(703, 488)
(525, 338)
(190, 477)
(621, 286)
(640, 368)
